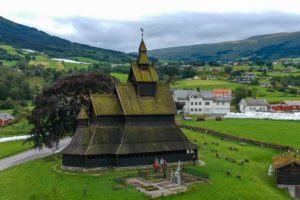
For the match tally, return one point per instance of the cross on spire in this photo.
(142, 30)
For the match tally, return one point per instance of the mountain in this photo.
(21, 36)
(268, 47)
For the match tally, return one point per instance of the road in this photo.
(31, 155)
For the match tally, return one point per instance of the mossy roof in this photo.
(105, 104)
(83, 114)
(144, 75)
(285, 160)
(127, 139)
(142, 139)
(142, 47)
(132, 104)
(143, 59)
(80, 142)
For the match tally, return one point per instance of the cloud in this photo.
(177, 29)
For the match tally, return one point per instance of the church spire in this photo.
(143, 59)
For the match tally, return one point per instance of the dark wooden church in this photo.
(133, 126)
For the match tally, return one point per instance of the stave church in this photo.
(133, 126)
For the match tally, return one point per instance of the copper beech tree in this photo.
(56, 108)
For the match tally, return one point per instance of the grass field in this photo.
(279, 132)
(204, 84)
(121, 77)
(38, 180)
(10, 148)
(20, 128)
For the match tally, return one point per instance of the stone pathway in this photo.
(164, 188)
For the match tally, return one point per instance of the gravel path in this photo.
(31, 155)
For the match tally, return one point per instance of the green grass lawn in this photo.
(120, 76)
(38, 180)
(204, 84)
(20, 128)
(279, 132)
(10, 148)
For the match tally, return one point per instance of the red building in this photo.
(5, 119)
(286, 106)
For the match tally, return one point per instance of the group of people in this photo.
(160, 164)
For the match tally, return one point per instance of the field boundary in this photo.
(239, 139)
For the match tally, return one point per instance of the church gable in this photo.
(160, 104)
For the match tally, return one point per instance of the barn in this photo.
(134, 126)
(286, 106)
(287, 169)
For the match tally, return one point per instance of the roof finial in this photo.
(142, 30)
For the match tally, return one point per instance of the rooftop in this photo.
(6, 116)
(286, 159)
(255, 102)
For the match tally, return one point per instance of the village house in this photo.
(287, 171)
(207, 102)
(286, 106)
(253, 105)
(246, 78)
(6, 119)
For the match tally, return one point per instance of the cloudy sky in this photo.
(114, 24)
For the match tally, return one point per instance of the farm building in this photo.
(253, 105)
(6, 119)
(133, 126)
(207, 102)
(286, 106)
(287, 169)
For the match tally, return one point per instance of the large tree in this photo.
(56, 109)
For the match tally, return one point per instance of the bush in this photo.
(201, 118)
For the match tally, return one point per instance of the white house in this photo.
(253, 105)
(201, 102)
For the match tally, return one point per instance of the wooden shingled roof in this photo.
(119, 140)
(127, 102)
(143, 75)
(285, 160)
(104, 104)
(161, 104)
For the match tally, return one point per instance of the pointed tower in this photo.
(142, 73)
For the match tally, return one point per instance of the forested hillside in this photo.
(21, 36)
(267, 47)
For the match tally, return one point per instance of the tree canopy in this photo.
(56, 108)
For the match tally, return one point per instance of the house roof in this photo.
(184, 94)
(6, 116)
(291, 103)
(221, 92)
(285, 160)
(132, 104)
(206, 94)
(255, 102)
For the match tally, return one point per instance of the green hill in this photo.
(268, 47)
(21, 36)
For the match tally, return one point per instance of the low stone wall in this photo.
(239, 139)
